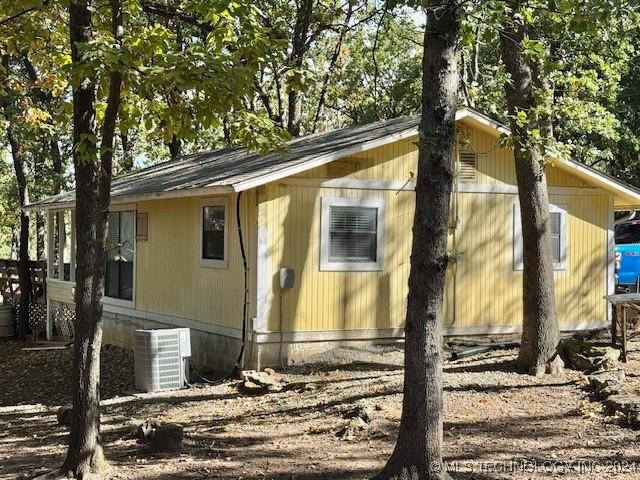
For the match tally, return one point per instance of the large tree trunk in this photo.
(418, 451)
(24, 277)
(540, 335)
(93, 183)
(298, 50)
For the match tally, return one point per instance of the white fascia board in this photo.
(605, 181)
(118, 200)
(323, 160)
(482, 119)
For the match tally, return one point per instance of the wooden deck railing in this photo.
(10, 285)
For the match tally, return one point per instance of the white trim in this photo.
(611, 255)
(326, 265)
(612, 184)
(323, 160)
(398, 332)
(50, 240)
(329, 335)
(350, 183)
(174, 321)
(209, 262)
(106, 300)
(465, 113)
(143, 197)
(263, 278)
(61, 243)
(564, 236)
(398, 185)
(72, 247)
(119, 302)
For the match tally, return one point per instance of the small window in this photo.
(352, 234)
(120, 255)
(213, 239)
(558, 230)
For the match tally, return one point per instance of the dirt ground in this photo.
(499, 424)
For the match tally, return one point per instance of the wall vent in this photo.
(160, 358)
(467, 167)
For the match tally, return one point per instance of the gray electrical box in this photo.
(287, 277)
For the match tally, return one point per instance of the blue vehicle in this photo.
(627, 251)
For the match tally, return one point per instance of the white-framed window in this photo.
(559, 233)
(120, 269)
(351, 234)
(213, 238)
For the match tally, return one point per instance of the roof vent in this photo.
(467, 167)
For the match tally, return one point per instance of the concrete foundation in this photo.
(209, 350)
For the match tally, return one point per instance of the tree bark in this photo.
(24, 277)
(93, 184)
(540, 334)
(126, 165)
(298, 50)
(418, 451)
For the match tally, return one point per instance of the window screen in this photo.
(352, 234)
(556, 234)
(120, 256)
(213, 226)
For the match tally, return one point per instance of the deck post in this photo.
(50, 240)
(72, 247)
(61, 244)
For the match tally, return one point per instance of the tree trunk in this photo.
(93, 183)
(418, 451)
(56, 159)
(175, 146)
(540, 335)
(298, 50)
(126, 165)
(24, 277)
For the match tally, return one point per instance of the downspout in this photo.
(240, 360)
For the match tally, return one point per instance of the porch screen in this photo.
(120, 255)
(352, 234)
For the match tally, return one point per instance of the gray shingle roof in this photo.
(234, 169)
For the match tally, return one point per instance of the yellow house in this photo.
(200, 242)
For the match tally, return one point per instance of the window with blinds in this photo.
(467, 167)
(558, 233)
(352, 234)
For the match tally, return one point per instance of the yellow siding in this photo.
(483, 289)
(169, 278)
(488, 289)
(398, 161)
(334, 300)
